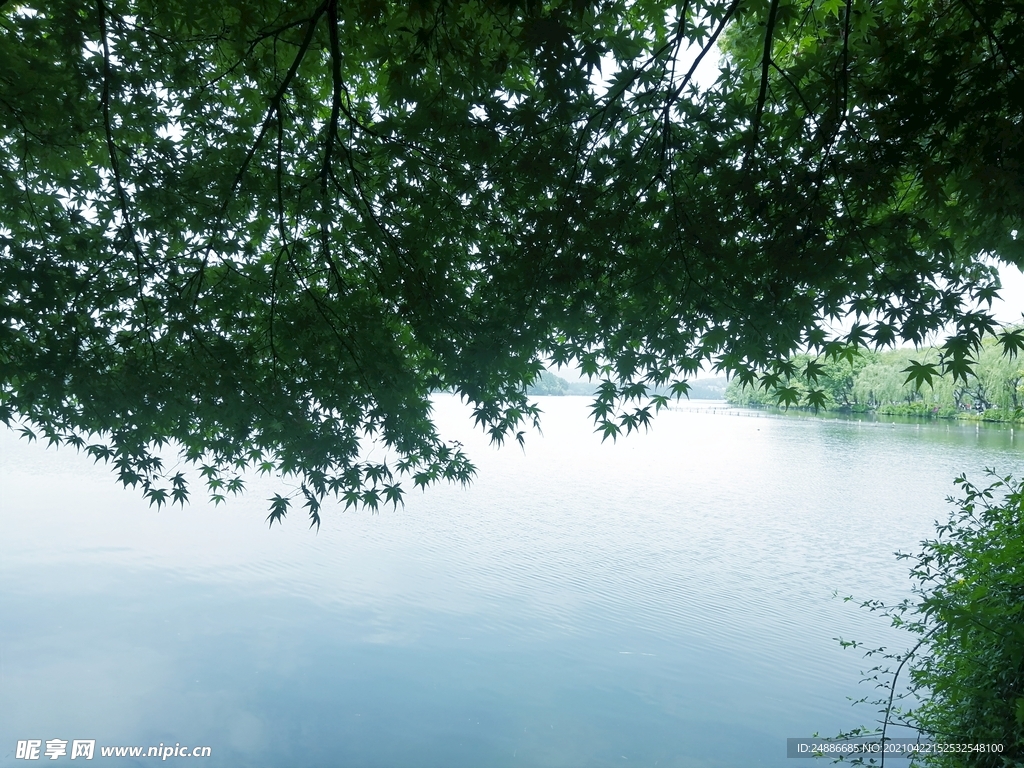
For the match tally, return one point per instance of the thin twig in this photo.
(892, 687)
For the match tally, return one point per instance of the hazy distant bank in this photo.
(551, 384)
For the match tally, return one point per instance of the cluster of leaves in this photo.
(882, 380)
(266, 232)
(966, 672)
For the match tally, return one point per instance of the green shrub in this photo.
(971, 619)
(1002, 415)
(909, 409)
(967, 670)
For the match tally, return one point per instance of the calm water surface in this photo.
(666, 600)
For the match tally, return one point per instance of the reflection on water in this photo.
(662, 601)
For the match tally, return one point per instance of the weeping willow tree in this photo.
(265, 232)
(879, 381)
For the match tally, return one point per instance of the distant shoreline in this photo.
(550, 384)
(909, 412)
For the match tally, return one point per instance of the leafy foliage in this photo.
(972, 583)
(966, 672)
(265, 232)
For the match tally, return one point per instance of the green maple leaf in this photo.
(920, 373)
(816, 398)
(787, 396)
(278, 508)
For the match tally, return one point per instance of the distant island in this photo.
(548, 384)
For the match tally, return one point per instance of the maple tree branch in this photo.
(273, 110)
(766, 61)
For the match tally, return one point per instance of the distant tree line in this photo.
(879, 381)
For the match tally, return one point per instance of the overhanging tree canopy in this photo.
(267, 231)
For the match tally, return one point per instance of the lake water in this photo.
(666, 600)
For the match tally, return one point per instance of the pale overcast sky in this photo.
(1009, 309)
